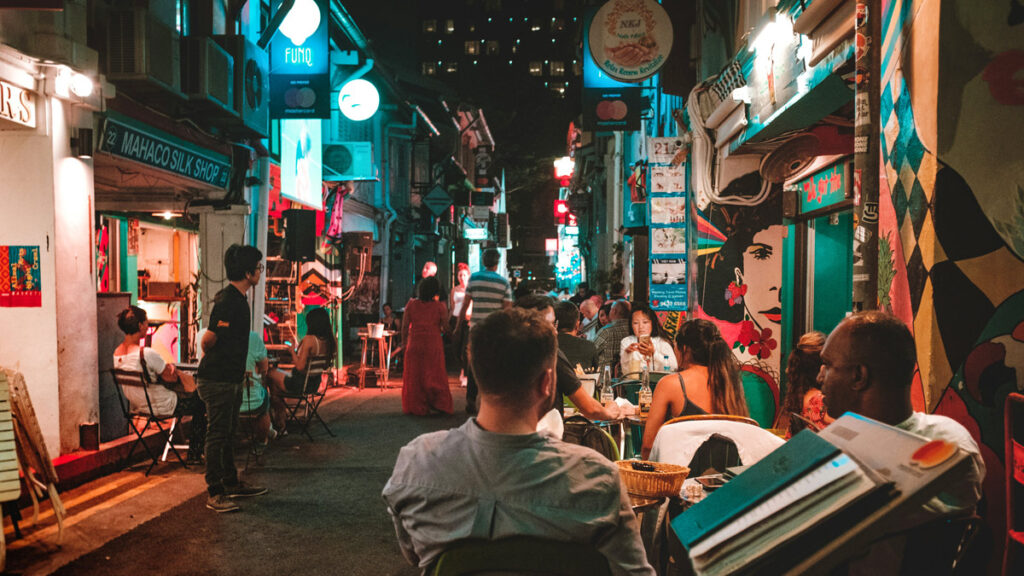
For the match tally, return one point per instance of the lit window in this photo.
(577, 68)
(472, 47)
(509, 62)
(517, 40)
(492, 47)
(559, 91)
(536, 69)
(451, 67)
(515, 49)
(557, 24)
(438, 42)
(557, 68)
(489, 20)
(430, 26)
(472, 27)
(449, 26)
(474, 62)
(429, 68)
(552, 40)
(534, 28)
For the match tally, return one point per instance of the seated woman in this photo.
(646, 343)
(709, 382)
(172, 392)
(318, 342)
(803, 396)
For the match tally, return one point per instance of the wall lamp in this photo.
(82, 142)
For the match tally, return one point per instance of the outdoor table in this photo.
(383, 367)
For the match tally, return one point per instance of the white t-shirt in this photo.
(164, 400)
(964, 495)
(664, 355)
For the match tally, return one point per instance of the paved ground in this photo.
(323, 515)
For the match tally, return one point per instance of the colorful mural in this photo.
(739, 281)
(952, 211)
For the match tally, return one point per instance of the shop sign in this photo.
(154, 148)
(612, 109)
(302, 162)
(630, 39)
(300, 84)
(824, 189)
(17, 105)
(668, 215)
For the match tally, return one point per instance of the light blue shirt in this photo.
(254, 396)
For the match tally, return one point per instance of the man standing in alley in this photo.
(488, 292)
(221, 374)
(495, 477)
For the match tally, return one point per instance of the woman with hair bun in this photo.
(708, 383)
(803, 396)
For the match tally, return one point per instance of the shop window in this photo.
(472, 47)
(536, 68)
(493, 47)
(557, 68)
(449, 26)
(451, 67)
(430, 26)
(428, 68)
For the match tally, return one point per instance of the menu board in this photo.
(667, 215)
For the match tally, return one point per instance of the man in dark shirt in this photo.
(566, 381)
(576, 349)
(221, 374)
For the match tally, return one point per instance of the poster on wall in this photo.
(20, 279)
(667, 211)
(302, 162)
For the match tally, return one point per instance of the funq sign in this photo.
(16, 105)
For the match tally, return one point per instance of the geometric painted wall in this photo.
(951, 210)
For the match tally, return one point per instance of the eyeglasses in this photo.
(259, 267)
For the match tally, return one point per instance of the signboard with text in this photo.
(667, 214)
(825, 188)
(17, 105)
(300, 83)
(135, 141)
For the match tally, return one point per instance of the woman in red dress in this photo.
(425, 378)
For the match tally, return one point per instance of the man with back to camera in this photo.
(491, 292)
(495, 477)
(222, 373)
(566, 381)
(867, 368)
(578, 350)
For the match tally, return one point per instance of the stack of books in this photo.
(813, 501)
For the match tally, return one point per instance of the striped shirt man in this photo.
(490, 292)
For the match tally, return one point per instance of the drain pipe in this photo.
(385, 271)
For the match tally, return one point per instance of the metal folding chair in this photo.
(304, 406)
(131, 378)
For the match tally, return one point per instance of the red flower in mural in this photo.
(735, 293)
(759, 342)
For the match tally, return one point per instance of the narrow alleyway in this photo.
(323, 515)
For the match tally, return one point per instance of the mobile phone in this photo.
(644, 339)
(711, 482)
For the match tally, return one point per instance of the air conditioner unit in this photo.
(143, 55)
(252, 85)
(348, 161)
(209, 74)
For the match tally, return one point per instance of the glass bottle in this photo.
(645, 396)
(606, 386)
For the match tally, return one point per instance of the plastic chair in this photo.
(308, 400)
(521, 555)
(131, 378)
(1014, 430)
(679, 439)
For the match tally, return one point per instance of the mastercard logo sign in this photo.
(611, 110)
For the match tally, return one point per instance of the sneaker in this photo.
(244, 490)
(221, 503)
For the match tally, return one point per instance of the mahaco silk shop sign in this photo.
(630, 39)
(146, 145)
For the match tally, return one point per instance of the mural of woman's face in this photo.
(762, 273)
(641, 324)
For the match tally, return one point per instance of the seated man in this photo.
(495, 477)
(174, 392)
(566, 382)
(576, 349)
(867, 368)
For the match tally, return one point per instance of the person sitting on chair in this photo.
(170, 391)
(495, 477)
(318, 342)
(255, 396)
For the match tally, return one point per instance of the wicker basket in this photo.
(665, 480)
